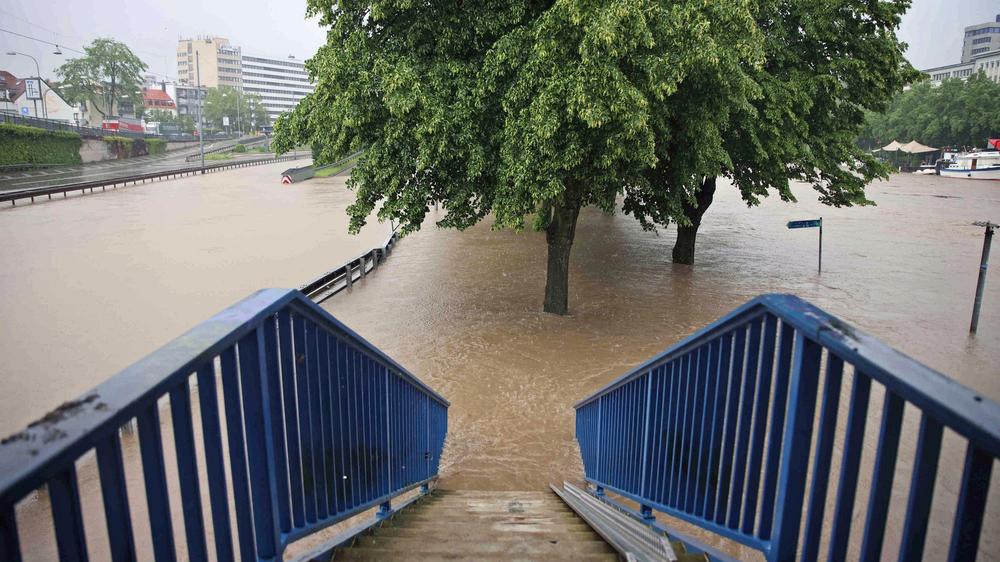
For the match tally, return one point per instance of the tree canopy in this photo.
(108, 75)
(169, 121)
(957, 113)
(244, 109)
(532, 110)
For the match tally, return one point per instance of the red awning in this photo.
(995, 143)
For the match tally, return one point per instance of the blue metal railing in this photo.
(718, 431)
(319, 426)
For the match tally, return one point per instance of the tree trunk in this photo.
(559, 235)
(686, 235)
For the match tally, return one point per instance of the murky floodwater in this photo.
(462, 310)
(93, 284)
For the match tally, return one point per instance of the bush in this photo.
(124, 147)
(240, 148)
(156, 146)
(31, 145)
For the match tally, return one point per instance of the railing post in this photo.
(384, 511)
(647, 513)
(425, 489)
(795, 449)
(645, 435)
(348, 275)
(363, 272)
(599, 492)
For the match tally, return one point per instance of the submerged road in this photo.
(94, 282)
(107, 169)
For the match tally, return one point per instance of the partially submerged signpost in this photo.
(984, 264)
(812, 223)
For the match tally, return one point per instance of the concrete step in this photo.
(392, 555)
(471, 526)
(488, 535)
(511, 548)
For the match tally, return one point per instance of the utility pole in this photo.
(984, 264)
(201, 109)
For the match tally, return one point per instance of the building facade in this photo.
(14, 99)
(213, 58)
(279, 81)
(980, 39)
(980, 53)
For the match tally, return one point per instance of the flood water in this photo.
(92, 284)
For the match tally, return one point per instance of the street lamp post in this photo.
(41, 83)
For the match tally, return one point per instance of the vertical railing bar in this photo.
(261, 456)
(746, 417)
(291, 413)
(795, 448)
(882, 476)
(732, 418)
(388, 432)
(305, 425)
(598, 473)
(822, 459)
(10, 542)
(67, 516)
(708, 402)
(776, 436)
(847, 487)
(343, 370)
(237, 455)
(326, 418)
(685, 372)
(111, 469)
(272, 391)
(316, 419)
(187, 470)
(757, 436)
(918, 507)
(214, 463)
(696, 423)
(971, 504)
(660, 451)
(157, 500)
(718, 425)
(333, 419)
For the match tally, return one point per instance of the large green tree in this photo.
(957, 113)
(109, 75)
(175, 123)
(534, 110)
(826, 63)
(242, 109)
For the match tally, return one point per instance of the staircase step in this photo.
(486, 534)
(394, 555)
(523, 547)
(467, 526)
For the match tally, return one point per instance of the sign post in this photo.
(812, 223)
(984, 264)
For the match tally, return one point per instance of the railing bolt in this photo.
(647, 513)
(384, 511)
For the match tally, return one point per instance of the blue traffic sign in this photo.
(806, 224)
(24, 110)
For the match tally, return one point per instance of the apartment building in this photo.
(279, 81)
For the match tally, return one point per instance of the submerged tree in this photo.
(534, 110)
(827, 63)
(107, 76)
(523, 110)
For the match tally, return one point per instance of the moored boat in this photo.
(974, 165)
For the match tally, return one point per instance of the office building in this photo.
(279, 81)
(980, 53)
(980, 39)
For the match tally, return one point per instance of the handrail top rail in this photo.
(33, 456)
(957, 406)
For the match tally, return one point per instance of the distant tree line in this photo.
(955, 114)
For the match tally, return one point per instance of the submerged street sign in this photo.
(806, 224)
(812, 223)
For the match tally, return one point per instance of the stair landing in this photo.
(474, 525)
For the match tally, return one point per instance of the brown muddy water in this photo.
(93, 284)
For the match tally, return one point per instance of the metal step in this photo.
(632, 539)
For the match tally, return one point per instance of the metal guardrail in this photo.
(717, 431)
(90, 132)
(14, 196)
(344, 276)
(320, 426)
(229, 146)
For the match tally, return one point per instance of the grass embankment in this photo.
(219, 156)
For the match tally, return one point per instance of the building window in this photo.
(982, 40)
(980, 50)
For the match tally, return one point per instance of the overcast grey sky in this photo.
(932, 28)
